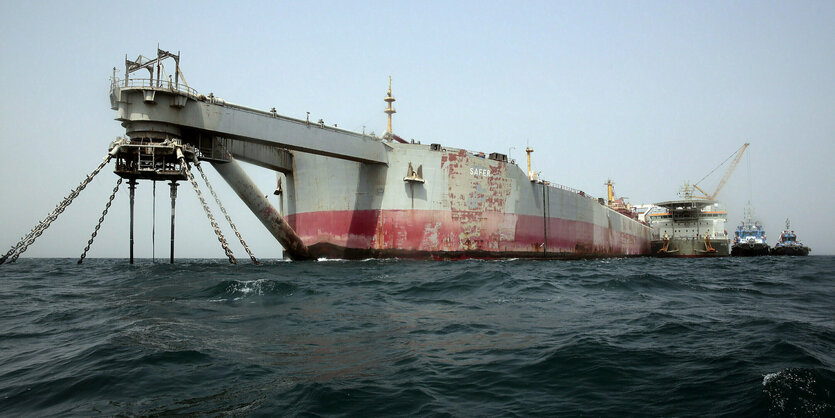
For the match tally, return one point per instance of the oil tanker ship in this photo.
(348, 195)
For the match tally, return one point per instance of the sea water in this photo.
(612, 337)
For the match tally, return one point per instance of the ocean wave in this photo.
(240, 289)
(426, 284)
(800, 392)
(638, 281)
(385, 337)
(382, 260)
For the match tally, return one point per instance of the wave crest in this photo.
(800, 392)
(240, 289)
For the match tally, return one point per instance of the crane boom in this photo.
(730, 170)
(706, 195)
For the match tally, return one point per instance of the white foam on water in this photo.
(767, 378)
(247, 287)
(323, 259)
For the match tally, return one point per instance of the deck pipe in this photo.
(235, 176)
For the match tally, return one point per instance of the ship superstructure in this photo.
(349, 195)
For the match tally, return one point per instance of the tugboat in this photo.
(749, 238)
(789, 245)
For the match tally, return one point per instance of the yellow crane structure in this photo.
(738, 155)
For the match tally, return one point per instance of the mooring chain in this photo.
(222, 209)
(101, 219)
(36, 232)
(219, 234)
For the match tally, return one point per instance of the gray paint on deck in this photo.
(142, 109)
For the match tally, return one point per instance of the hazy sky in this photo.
(650, 94)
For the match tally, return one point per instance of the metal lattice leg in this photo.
(132, 187)
(173, 200)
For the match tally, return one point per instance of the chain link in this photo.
(36, 232)
(219, 234)
(222, 209)
(101, 219)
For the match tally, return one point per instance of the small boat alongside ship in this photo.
(749, 237)
(789, 245)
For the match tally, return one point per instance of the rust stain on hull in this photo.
(467, 207)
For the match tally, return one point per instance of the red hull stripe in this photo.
(446, 231)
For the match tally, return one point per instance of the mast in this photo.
(610, 191)
(389, 110)
(529, 150)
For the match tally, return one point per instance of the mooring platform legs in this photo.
(173, 200)
(132, 187)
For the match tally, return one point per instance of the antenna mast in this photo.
(529, 150)
(389, 110)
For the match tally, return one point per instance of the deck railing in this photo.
(157, 84)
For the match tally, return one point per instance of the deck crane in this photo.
(727, 175)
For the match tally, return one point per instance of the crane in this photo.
(727, 175)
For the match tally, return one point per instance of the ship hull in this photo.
(749, 250)
(796, 250)
(460, 206)
(437, 235)
(330, 251)
(689, 248)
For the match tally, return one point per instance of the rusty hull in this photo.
(467, 206)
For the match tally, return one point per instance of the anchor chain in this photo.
(36, 232)
(222, 209)
(219, 234)
(101, 219)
